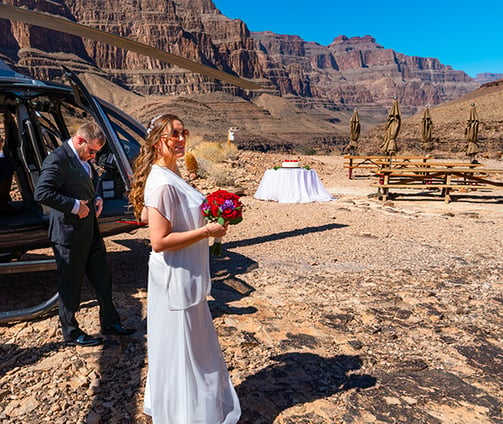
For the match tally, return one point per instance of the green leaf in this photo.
(221, 220)
(236, 220)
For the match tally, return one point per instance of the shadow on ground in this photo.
(297, 378)
(282, 235)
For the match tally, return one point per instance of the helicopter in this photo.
(37, 116)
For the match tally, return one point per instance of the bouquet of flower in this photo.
(222, 206)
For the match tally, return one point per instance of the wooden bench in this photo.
(419, 168)
(379, 161)
(428, 164)
(444, 179)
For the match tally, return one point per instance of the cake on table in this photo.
(290, 163)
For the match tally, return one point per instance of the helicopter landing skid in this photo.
(29, 313)
(34, 311)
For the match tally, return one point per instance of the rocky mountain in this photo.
(321, 83)
(487, 77)
(351, 72)
(358, 72)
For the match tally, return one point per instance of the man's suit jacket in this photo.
(63, 179)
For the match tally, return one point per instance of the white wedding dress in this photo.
(187, 380)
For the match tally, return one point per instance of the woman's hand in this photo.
(216, 230)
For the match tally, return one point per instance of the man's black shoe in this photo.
(84, 340)
(117, 330)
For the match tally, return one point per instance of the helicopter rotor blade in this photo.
(64, 25)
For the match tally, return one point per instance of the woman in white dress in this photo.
(187, 380)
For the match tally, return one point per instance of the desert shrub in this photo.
(230, 150)
(214, 152)
(210, 151)
(193, 141)
(208, 155)
(204, 167)
(306, 150)
(222, 177)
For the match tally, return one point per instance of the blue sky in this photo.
(467, 35)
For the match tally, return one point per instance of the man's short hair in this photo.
(90, 131)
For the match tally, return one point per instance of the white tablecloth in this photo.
(292, 185)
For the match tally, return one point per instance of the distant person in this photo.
(6, 174)
(187, 380)
(67, 184)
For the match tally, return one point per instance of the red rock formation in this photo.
(357, 71)
(38, 51)
(324, 80)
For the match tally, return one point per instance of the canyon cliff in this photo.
(323, 82)
(349, 72)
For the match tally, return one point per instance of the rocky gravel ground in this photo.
(348, 311)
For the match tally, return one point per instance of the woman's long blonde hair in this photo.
(147, 157)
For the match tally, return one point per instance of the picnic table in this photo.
(379, 161)
(443, 177)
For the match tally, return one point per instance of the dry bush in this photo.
(208, 154)
(193, 141)
(230, 150)
(212, 152)
(222, 177)
(203, 167)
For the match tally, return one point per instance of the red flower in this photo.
(222, 206)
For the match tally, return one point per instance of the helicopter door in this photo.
(28, 149)
(81, 95)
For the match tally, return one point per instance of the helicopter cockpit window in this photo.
(73, 117)
(50, 138)
(129, 139)
(51, 134)
(131, 135)
(56, 119)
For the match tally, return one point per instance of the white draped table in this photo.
(292, 185)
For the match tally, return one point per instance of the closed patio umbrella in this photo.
(391, 130)
(354, 132)
(471, 134)
(426, 128)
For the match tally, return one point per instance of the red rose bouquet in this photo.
(222, 206)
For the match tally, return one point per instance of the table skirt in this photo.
(295, 185)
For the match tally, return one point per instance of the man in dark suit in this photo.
(67, 184)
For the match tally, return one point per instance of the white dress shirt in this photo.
(87, 168)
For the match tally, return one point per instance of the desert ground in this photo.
(347, 311)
